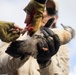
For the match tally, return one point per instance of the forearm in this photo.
(35, 9)
(5, 26)
(8, 31)
(3, 23)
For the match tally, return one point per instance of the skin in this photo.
(46, 17)
(16, 29)
(16, 26)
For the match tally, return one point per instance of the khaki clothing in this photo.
(11, 66)
(58, 66)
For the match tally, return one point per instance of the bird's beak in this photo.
(63, 26)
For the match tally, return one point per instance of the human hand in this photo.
(28, 28)
(48, 47)
(16, 29)
(8, 31)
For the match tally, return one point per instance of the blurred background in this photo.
(12, 10)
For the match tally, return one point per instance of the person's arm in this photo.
(30, 46)
(34, 11)
(9, 31)
(59, 62)
(64, 35)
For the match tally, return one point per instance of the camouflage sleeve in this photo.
(3, 23)
(38, 8)
(5, 35)
(33, 5)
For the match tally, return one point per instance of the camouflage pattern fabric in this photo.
(37, 18)
(5, 34)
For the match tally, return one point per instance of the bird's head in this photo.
(69, 29)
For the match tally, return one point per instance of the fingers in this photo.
(56, 42)
(43, 52)
(49, 31)
(45, 33)
(48, 40)
(42, 46)
(17, 27)
(52, 44)
(48, 47)
(14, 31)
(23, 31)
(39, 46)
(13, 37)
(49, 23)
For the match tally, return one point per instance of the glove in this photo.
(36, 19)
(49, 22)
(48, 47)
(5, 34)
